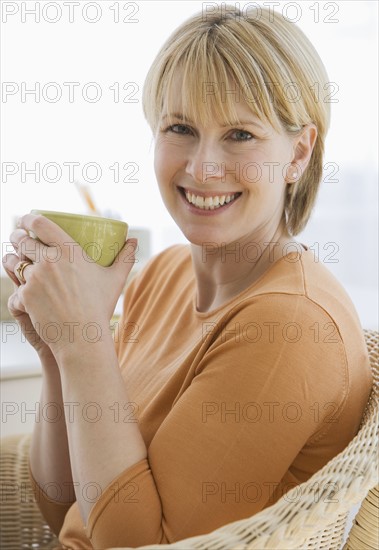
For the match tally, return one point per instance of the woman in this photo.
(240, 366)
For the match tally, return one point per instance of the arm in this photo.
(79, 371)
(49, 464)
(100, 447)
(49, 458)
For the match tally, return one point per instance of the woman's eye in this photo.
(179, 129)
(241, 135)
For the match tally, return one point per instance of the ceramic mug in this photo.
(101, 238)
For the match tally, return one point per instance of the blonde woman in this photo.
(240, 367)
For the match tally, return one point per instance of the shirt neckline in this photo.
(239, 296)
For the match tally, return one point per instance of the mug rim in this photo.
(66, 215)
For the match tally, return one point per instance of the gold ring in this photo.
(20, 271)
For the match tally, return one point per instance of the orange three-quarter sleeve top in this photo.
(236, 406)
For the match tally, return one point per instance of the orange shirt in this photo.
(236, 406)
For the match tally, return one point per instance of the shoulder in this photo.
(293, 349)
(294, 330)
(280, 317)
(302, 278)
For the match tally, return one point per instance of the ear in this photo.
(303, 146)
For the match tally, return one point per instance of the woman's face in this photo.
(222, 184)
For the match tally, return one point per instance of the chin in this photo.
(211, 238)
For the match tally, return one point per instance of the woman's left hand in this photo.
(69, 298)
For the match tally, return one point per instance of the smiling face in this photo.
(273, 63)
(223, 183)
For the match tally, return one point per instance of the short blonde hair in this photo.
(270, 60)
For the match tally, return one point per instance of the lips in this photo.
(209, 200)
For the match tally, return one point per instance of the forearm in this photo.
(103, 439)
(49, 454)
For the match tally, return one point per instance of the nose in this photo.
(204, 163)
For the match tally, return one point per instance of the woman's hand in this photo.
(64, 296)
(68, 298)
(17, 310)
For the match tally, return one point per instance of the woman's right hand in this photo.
(17, 310)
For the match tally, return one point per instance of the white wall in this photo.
(106, 132)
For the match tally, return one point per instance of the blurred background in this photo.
(72, 77)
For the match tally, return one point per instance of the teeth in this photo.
(208, 203)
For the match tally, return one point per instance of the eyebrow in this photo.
(179, 116)
(244, 122)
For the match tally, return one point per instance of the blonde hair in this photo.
(274, 65)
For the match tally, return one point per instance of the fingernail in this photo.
(134, 244)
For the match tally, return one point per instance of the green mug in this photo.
(100, 238)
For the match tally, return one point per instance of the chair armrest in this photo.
(364, 533)
(21, 522)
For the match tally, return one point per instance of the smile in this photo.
(209, 202)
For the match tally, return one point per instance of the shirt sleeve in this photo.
(54, 512)
(235, 431)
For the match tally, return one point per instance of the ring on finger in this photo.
(19, 271)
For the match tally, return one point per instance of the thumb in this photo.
(126, 258)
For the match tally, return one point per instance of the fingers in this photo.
(20, 270)
(129, 250)
(15, 305)
(126, 256)
(25, 246)
(123, 264)
(10, 262)
(44, 229)
(38, 238)
(15, 268)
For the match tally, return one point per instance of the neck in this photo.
(223, 271)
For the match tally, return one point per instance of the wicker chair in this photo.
(313, 515)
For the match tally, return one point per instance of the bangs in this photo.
(205, 83)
